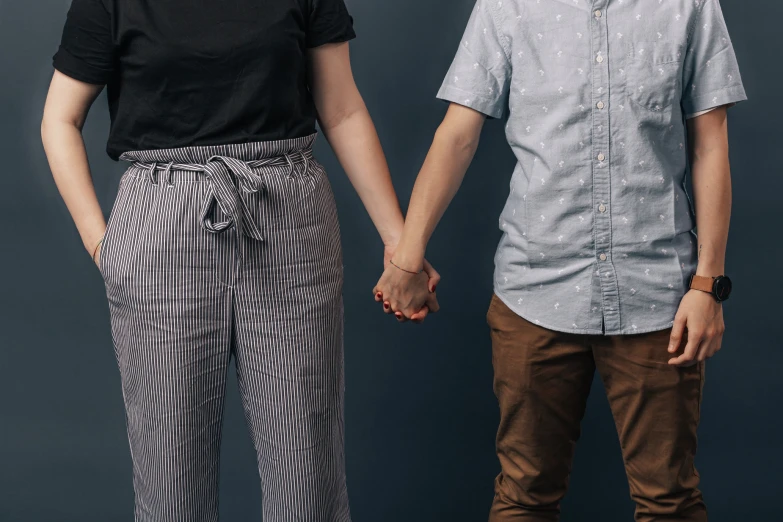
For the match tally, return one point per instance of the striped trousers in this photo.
(219, 252)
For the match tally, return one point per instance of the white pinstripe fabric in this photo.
(214, 252)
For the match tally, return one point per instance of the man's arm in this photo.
(449, 157)
(699, 313)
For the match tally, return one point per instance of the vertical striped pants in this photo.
(221, 251)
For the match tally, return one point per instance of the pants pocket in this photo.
(120, 202)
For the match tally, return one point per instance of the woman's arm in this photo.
(67, 105)
(699, 313)
(450, 155)
(347, 125)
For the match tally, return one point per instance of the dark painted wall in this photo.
(420, 410)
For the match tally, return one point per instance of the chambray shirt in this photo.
(598, 230)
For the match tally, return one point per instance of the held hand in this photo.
(408, 295)
(700, 321)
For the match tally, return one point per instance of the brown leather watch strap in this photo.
(704, 284)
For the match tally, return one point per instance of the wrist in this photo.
(409, 258)
(711, 262)
(91, 243)
(710, 269)
(391, 230)
(96, 248)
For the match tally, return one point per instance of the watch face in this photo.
(722, 288)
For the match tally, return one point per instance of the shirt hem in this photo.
(78, 69)
(337, 37)
(579, 331)
(487, 107)
(711, 100)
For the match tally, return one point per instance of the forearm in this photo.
(712, 190)
(355, 142)
(67, 157)
(440, 178)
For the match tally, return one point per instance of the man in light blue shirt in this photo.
(610, 105)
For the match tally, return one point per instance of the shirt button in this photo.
(600, 105)
(602, 208)
(602, 257)
(598, 13)
(601, 157)
(599, 59)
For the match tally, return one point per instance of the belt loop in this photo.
(167, 175)
(152, 173)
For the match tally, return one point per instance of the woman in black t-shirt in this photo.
(223, 241)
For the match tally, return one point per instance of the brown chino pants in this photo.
(542, 380)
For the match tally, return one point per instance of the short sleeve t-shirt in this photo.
(182, 73)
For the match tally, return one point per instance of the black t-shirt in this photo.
(200, 72)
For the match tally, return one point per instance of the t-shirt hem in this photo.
(580, 331)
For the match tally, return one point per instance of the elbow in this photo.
(45, 130)
(48, 131)
(463, 142)
(339, 111)
(330, 120)
(51, 127)
(710, 152)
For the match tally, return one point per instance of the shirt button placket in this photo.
(601, 169)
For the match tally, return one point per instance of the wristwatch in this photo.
(719, 287)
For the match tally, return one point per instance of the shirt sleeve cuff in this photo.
(78, 69)
(729, 96)
(700, 113)
(338, 34)
(486, 106)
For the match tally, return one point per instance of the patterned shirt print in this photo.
(598, 230)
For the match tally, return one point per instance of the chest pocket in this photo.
(653, 74)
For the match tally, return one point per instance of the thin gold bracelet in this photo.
(408, 271)
(95, 250)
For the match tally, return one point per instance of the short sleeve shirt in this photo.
(598, 230)
(185, 73)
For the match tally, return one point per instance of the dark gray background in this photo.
(421, 415)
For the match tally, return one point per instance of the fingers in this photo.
(432, 274)
(712, 344)
(419, 316)
(378, 296)
(677, 332)
(688, 358)
(387, 307)
(706, 350)
(432, 303)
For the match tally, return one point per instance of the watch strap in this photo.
(703, 284)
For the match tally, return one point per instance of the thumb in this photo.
(433, 275)
(419, 316)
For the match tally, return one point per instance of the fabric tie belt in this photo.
(228, 179)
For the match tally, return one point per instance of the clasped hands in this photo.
(408, 292)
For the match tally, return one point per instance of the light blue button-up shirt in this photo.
(598, 230)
